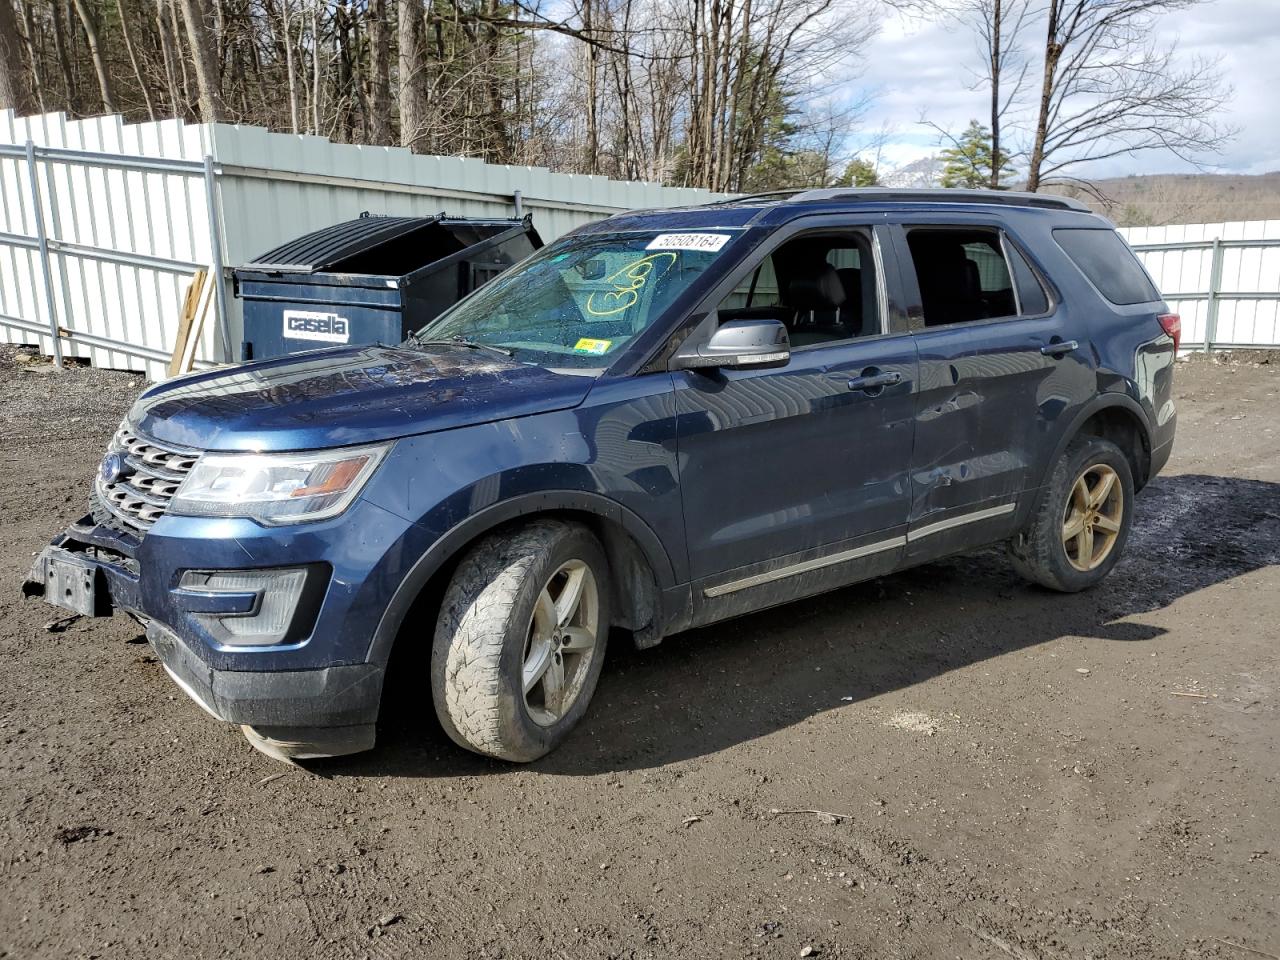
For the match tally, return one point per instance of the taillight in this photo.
(1172, 325)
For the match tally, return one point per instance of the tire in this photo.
(495, 623)
(1042, 552)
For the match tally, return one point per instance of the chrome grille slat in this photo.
(176, 475)
(140, 498)
(128, 519)
(127, 491)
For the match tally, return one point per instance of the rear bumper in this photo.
(1160, 457)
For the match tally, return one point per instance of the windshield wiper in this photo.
(473, 344)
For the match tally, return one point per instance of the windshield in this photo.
(579, 302)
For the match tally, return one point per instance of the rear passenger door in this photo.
(1002, 372)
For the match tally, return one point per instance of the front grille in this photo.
(140, 497)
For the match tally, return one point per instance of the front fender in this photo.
(447, 546)
(613, 458)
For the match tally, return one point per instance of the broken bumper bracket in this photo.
(77, 581)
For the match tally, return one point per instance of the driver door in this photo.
(795, 479)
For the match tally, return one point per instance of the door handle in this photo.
(1060, 349)
(875, 381)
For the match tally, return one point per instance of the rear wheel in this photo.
(520, 640)
(1082, 521)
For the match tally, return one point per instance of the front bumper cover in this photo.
(338, 696)
(309, 712)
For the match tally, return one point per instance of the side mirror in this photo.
(738, 344)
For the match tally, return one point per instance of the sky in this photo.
(916, 68)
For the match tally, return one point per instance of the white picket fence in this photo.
(103, 222)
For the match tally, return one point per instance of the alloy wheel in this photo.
(561, 642)
(1093, 517)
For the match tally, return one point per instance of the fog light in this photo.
(268, 621)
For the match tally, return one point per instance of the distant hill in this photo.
(1153, 200)
(1149, 200)
(925, 172)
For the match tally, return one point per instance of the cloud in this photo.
(917, 68)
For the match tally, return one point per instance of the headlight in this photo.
(276, 488)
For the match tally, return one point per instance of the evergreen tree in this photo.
(859, 173)
(968, 161)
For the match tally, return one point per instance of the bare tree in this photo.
(720, 93)
(33, 54)
(93, 36)
(1108, 90)
(316, 67)
(997, 24)
(379, 124)
(61, 36)
(204, 47)
(413, 75)
(747, 58)
(127, 36)
(14, 92)
(168, 56)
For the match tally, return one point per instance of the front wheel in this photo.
(520, 640)
(1082, 521)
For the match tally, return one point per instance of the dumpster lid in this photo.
(331, 245)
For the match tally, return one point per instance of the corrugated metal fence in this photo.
(103, 222)
(101, 226)
(1223, 278)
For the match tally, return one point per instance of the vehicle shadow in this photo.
(703, 691)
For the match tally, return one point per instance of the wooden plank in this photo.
(186, 317)
(193, 340)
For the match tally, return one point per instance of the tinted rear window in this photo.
(1108, 262)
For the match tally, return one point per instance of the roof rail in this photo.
(747, 198)
(1011, 198)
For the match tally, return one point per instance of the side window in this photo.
(1032, 297)
(1107, 261)
(758, 289)
(821, 287)
(962, 275)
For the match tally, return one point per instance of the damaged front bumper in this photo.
(313, 711)
(320, 713)
(88, 570)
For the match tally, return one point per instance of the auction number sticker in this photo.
(322, 327)
(703, 242)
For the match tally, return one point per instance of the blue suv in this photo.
(662, 420)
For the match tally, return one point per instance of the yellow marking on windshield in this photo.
(627, 284)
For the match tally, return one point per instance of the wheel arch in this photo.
(636, 556)
(1119, 418)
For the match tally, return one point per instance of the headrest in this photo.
(942, 251)
(816, 287)
(851, 280)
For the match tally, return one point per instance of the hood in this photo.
(348, 395)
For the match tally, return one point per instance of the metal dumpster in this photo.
(375, 278)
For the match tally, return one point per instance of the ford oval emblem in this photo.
(113, 467)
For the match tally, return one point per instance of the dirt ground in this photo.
(1013, 773)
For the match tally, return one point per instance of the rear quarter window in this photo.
(1104, 257)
